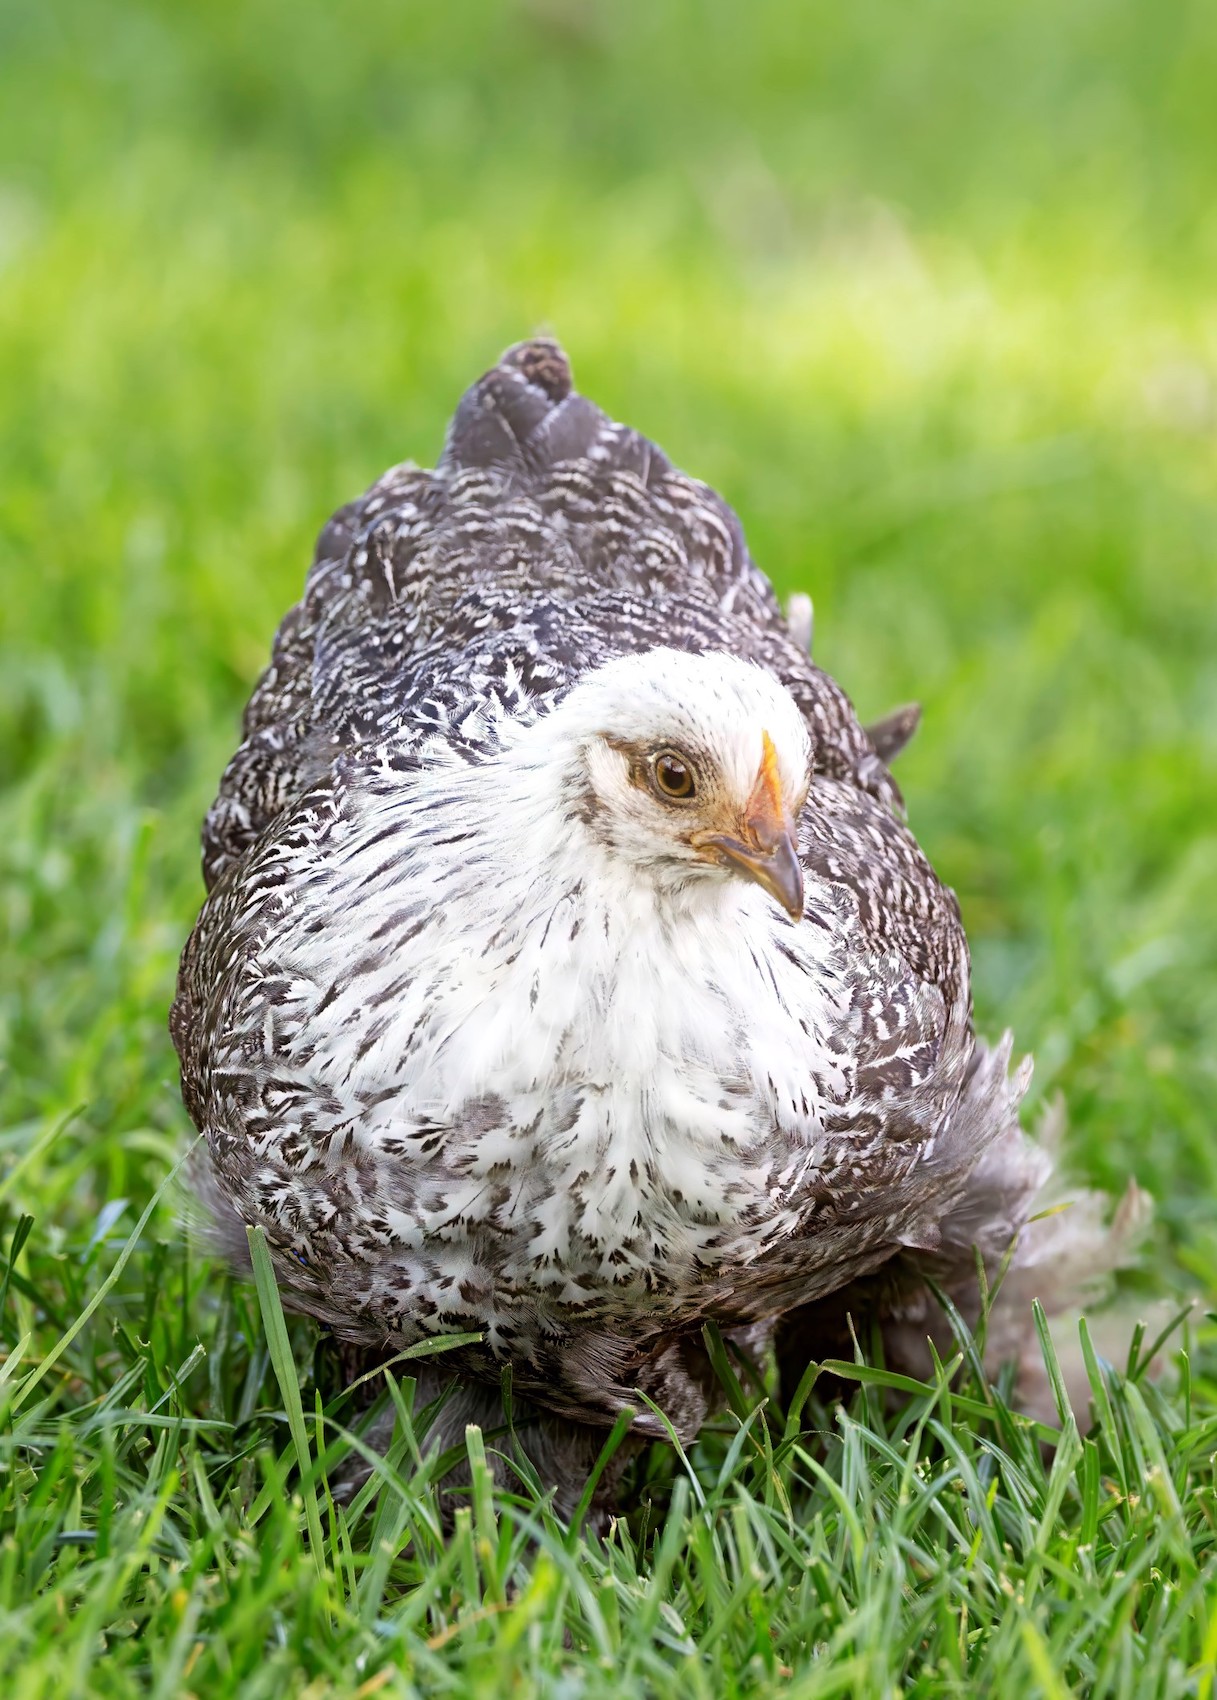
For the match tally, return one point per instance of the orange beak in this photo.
(765, 849)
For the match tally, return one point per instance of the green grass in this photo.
(928, 293)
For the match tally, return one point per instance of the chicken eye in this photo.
(673, 777)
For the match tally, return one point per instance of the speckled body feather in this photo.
(465, 1072)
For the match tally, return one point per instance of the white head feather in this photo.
(730, 725)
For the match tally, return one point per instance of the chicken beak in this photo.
(764, 850)
(776, 869)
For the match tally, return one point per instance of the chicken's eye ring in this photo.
(673, 776)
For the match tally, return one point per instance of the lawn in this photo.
(928, 294)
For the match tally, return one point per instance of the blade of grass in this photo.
(284, 1366)
(99, 1297)
(44, 1141)
(616, 1436)
(21, 1233)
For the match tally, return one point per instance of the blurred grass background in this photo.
(928, 293)
(929, 296)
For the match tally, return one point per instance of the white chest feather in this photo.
(543, 1051)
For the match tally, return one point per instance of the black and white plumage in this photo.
(492, 1030)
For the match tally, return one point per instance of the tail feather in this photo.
(524, 417)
